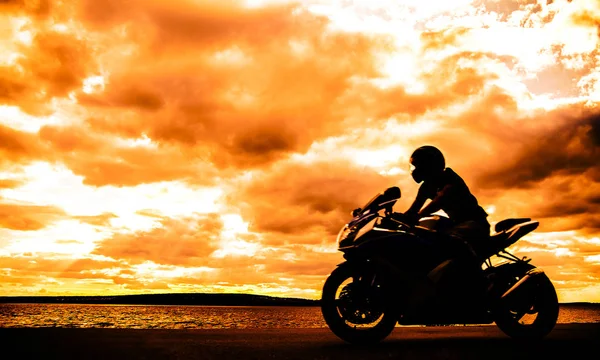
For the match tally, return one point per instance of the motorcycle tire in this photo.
(546, 305)
(337, 323)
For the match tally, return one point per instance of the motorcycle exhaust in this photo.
(528, 276)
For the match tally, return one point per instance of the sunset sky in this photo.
(219, 146)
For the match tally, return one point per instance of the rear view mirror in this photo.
(392, 193)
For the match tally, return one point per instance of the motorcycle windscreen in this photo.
(389, 196)
(365, 229)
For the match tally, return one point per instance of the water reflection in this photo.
(192, 317)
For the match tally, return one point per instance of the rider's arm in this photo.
(422, 196)
(436, 203)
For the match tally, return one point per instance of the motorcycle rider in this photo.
(448, 192)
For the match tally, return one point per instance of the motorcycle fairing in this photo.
(506, 224)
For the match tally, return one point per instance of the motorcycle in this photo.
(400, 273)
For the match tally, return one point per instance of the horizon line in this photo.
(200, 293)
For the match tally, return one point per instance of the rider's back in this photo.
(457, 200)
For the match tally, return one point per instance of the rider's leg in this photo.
(466, 237)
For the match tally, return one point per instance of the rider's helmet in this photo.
(426, 162)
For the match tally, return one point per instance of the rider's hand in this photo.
(411, 218)
(405, 218)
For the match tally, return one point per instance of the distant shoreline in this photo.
(186, 299)
(164, 299)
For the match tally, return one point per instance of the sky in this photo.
(218, 146)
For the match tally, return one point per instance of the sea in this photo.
(196, 317)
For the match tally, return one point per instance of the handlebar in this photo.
(401, 219)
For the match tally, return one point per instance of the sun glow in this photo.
(93, 84)
(232, 242)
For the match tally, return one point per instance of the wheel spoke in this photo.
(519, 315)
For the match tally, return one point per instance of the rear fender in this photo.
(518, 268)
(521, 286)
(501, 275)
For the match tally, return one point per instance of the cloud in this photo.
(588, 17)
(103, 159)
(9, 183)
(570, 147)
(29, 270)
(48, 264)
(185, 241)
(18, 147)
(51, 66)
(244, 98)
(28, 217)
(34, 7)
(296, 198)
(98, 220)
(562, 256)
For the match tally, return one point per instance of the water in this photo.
(194, 317)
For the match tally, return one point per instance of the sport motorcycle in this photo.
(397, 272)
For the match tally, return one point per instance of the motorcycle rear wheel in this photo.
(336, 314)
(543, 304)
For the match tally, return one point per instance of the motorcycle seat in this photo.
(509, 223)
(509, 235)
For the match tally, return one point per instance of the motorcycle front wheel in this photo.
(355, 307)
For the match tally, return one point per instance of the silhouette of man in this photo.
(448, 192)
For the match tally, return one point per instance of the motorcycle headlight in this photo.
(343, 234)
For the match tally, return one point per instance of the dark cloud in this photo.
(304, 199)
(571, 147)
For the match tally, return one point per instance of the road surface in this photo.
(567, 342)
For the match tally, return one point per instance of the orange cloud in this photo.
(245, 98)
(296, 198)
(28, 217)
(54, 64)
(589, 18)
(32, 7)
(98, 220)
(176, 242)
(108, 160)
(18, 147)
